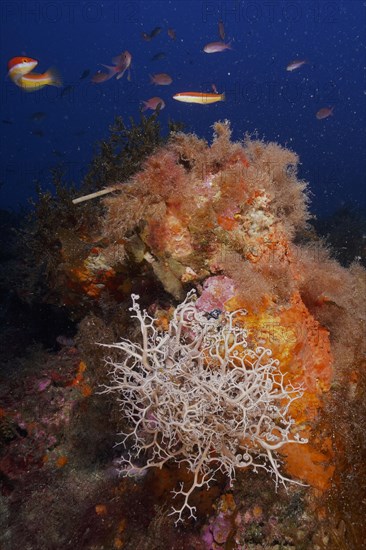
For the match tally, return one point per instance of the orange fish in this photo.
(121, 63)
(153, 103)
(325, 112)
(221, 30)
(20, 73)
(215, 47)
(172, 34)
(161, 79)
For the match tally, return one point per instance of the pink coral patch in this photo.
(216, 291)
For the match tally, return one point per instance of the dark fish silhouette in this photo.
(221, 30)
(84, 74)
(38, 116)
(158, 56)
(149, 36)
(155, 32)
(67, 90)
(58, 153)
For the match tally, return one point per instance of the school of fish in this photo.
(20, 72)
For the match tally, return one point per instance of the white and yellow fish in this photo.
(198, 97)
(20, 72)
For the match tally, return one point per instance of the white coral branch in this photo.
(196, 394)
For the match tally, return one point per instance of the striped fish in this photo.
(198, 97)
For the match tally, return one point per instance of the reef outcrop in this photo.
(230, 220)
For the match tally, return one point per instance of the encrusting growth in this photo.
(198, 395)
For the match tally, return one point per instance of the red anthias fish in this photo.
(221, 30)
(161, 79)
(122, 63)
(153, 103)
(295, 64)
(172, 34)
(325, 112)
(215, 47)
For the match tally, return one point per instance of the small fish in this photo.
(149, 36)
(20, 73)
(214, 89)
(38, 133)
(221, 30)
(100, 76)
(153, 103)
(172, 34)
(325, 112)
(121, 63)
(155, 32)
(215, 47)
(198, 97)
(84, 74)
(161, 79)
(58, 153)
(65, 341)
(67, 90)
(6, 121)
(158, 56)
(295, 64)
(38, 116)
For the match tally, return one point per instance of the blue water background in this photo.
(262, 98)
